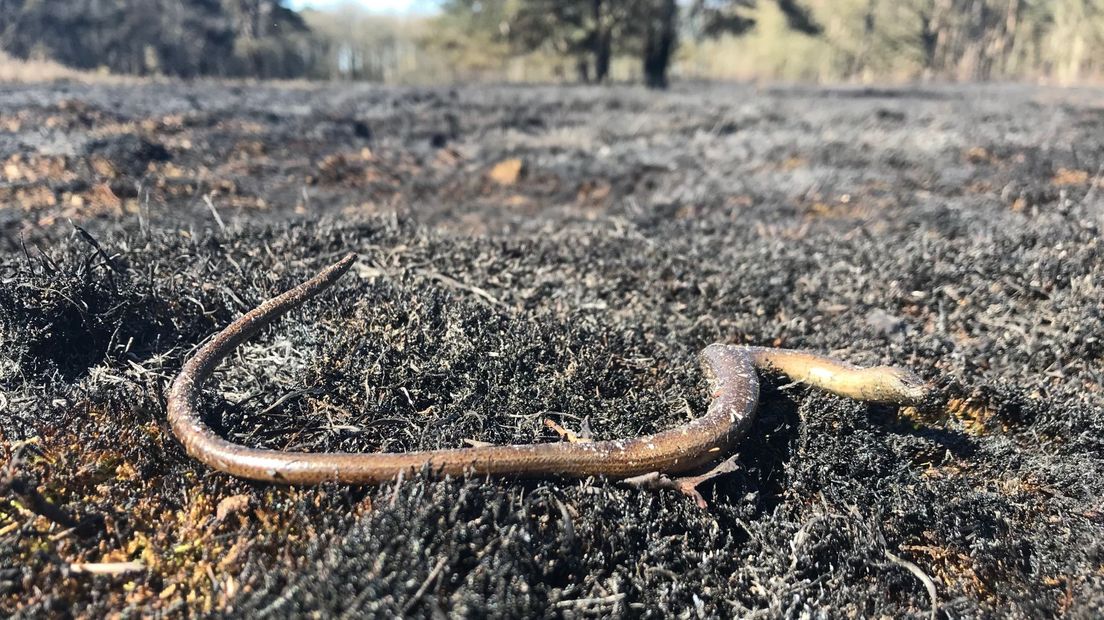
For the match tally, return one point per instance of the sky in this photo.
(378, 6)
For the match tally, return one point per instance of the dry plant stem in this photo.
(106, 568)
(729, 369)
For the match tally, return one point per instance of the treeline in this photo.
(583, 40)
(826, 40)
(645, 40)
(954, 40)
(232, 38)
(591, 33)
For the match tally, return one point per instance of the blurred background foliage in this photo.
(569, 40)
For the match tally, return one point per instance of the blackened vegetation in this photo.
(885, 229)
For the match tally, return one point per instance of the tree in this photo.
(713, 18)
(660, 37)
(591, 31)
(565, 27)
(472, 36)
(581, 30)
(186, 38)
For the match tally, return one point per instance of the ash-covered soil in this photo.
(540, 253)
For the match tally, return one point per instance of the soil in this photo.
(533, 253)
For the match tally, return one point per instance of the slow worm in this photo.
(730, 369)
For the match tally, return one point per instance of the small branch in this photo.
(214, 212)
(600, 601)
(919, 574)
(36, 503)
(454, 283)
(433, 574)
(565, 433)
(26, 491)
(687, 485)
(285, 398)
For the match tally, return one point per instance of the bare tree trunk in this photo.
(582, 69)
(603, 42)
(858, 64)
(659, 43)
(602, 55)
(1005, 41)
(929, 38)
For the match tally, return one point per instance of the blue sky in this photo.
(380, 6)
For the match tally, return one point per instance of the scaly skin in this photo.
(731, 371)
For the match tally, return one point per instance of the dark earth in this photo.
(533, 253)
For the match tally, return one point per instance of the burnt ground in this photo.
(533, 253)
